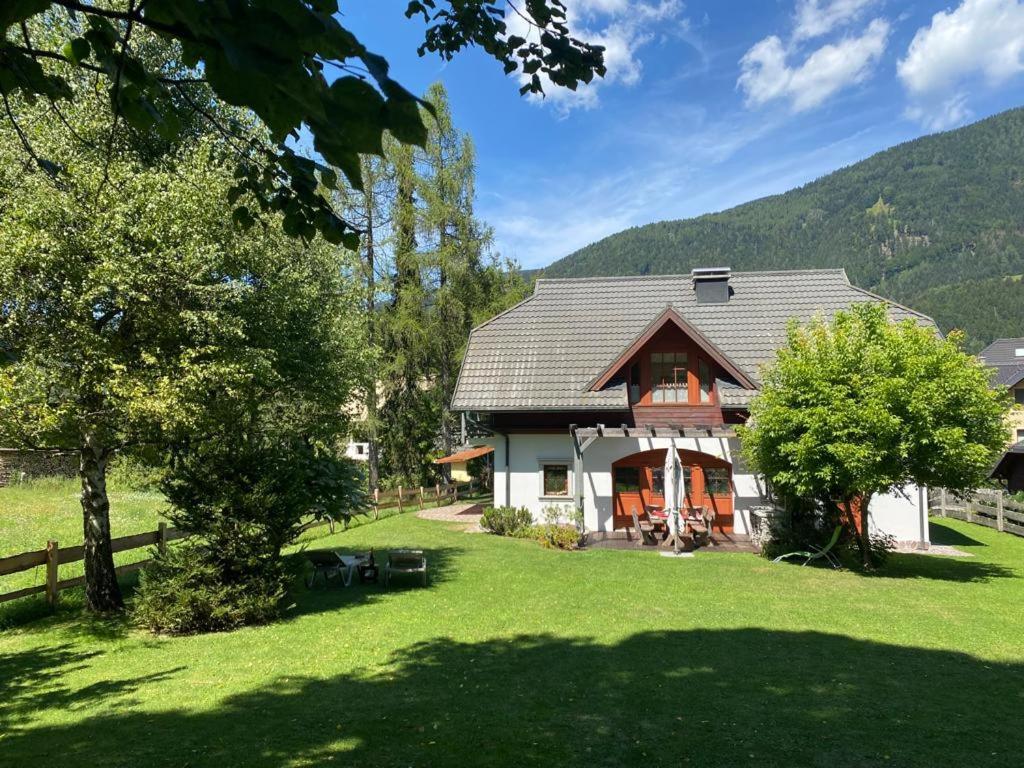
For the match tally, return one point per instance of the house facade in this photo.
(1007, 357)
(582, 389)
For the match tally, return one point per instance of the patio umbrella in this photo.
(674, 492)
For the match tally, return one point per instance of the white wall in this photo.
(902, 515)
(894, 514)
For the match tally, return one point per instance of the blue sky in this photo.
(707, 104)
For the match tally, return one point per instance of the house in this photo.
(1010, 468)
(357, 451)
(584, 386)
(459, 462)
(1007, 357)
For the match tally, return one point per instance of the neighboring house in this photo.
(1007, 357)
(358, 451)
(584, 386)
(1011, 468)
(459, 462)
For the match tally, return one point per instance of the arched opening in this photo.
(638, 482)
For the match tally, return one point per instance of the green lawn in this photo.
(516, 655)
(49, 508)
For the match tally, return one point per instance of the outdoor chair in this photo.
(644, 530)
(405, 561)
(818, 553)
(325, 563)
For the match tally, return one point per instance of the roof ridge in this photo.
(687, 275)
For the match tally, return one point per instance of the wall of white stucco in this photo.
(903, 516)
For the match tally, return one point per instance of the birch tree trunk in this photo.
(102, 592)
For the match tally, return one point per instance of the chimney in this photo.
(711, 284)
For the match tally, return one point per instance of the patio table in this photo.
(350, 563)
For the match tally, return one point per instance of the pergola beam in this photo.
(584, 436)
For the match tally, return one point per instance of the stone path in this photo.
(465, 514)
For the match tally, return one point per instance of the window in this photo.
(555, 479)
(1018, 396)
(1020, 435)
(1018, 352)
(669, 372)
(658, 481)
(716, 482)
(627, 479)
(634, 383)
(707, 382)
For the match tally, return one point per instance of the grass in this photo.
(49, 508)
(516, 655)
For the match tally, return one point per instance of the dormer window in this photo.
(670, 377)
(707, 381)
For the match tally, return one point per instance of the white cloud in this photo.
(621, 26)
(983, 37)
(814, 18)
(767, 76)
(946, 114)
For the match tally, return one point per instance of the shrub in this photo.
(184, 591)
(506, 521)
(555, 536)
(127, 472)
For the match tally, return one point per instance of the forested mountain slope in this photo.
(935, 223)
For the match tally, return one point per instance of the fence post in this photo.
(437, 494)
(969, 509)
(421, 497)
(999, 511)
(376, 503)
(399, 499)
(52, 561)
(161, 537)
(942, 502)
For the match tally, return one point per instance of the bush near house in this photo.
(506, 521)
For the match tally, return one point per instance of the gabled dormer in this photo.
(671, 371)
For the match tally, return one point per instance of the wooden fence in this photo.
(989, 508)
(405, 498)
(53, 556)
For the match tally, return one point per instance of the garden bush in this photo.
(555, 536)
(183, 591)
(506, 521)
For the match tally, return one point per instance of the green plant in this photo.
(184, 591)
(506, 521)
(556, 536)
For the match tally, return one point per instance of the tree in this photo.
(862, 406)
(292, 62)
(122, 291)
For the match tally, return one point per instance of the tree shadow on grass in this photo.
(34, 681)
(702, 698)
(900, 565)
(940, 533)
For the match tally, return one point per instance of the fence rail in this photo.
(438, 495)
(989, 508)
(53, 556)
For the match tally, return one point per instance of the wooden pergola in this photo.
(584, 437)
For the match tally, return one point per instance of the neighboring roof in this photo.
(466, 455)
(1003, 352)
(1008, 375)
(1014, 454)
(1002, 355)
(545, 353)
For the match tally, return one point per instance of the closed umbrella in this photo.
(674, 492)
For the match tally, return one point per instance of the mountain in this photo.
(936, 223)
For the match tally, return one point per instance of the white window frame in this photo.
(569, 478)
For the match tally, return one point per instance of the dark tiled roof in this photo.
(1003, 352)
(543, 353)
(1008, 375)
